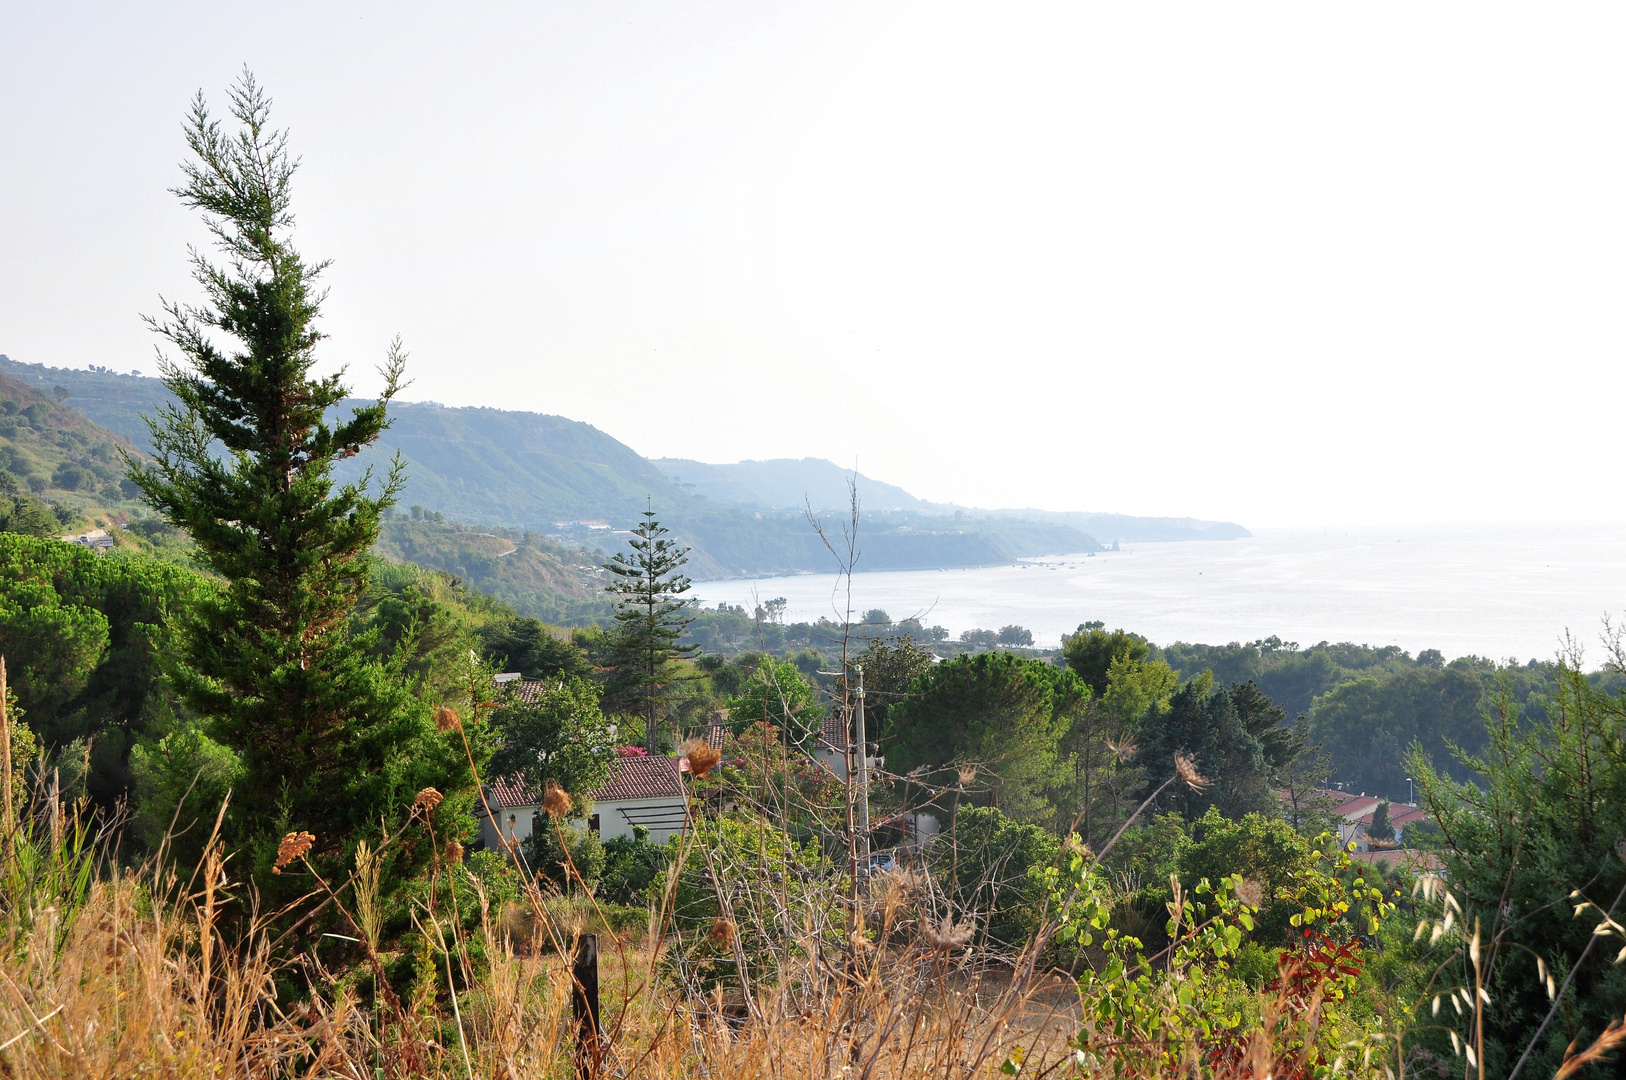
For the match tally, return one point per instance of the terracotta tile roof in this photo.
(630, 778)
(833, 734)
(1399, 814)
(527, 690)
(641, 778)
(506, 791)
(1353, 808)
(1417, 862)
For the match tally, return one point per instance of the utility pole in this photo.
(862, 774)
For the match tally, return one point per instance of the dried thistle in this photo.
(701, 756)
(1076, 843)
(446, 719)
(967, 773)
(293, 846)
(427, 800)
(1124, 751)
(947, 935)
(556, 801)
(454, 852)
(722, 932)
(1186, 771)
(1250, 892)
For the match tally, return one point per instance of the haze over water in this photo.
(1502, 592)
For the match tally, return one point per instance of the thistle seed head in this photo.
(556, 801)
(293, 846)
(1186, 770)
(701, 756)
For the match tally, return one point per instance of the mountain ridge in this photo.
(552, 474)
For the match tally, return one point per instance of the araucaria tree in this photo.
(650, 621)
(331, 742)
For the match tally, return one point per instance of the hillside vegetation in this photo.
(57, 455)
(547, 474)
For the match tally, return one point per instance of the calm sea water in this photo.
(1501, 592)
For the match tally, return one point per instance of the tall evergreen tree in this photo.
(650, 621)
(1228, 732)
(330, 741)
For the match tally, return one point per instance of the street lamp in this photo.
(1411, 796)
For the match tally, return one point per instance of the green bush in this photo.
(1265, 851)
(987, 867)
(546, 856)
(632, 866)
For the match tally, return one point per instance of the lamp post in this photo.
(1411, 795)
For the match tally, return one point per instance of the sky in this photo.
(1282, 264)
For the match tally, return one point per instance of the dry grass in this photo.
(130, 985)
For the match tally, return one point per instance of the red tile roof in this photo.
(630, 778)
(506, 791)
(1399, 814)
(527, 690)
(833, 734)
(641, 778)
(1354, 807)
(1418, 862)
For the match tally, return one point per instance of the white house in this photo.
(643, 791)
(831, 746)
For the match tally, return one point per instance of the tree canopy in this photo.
(1091, 651)
(330, 741)
(1233, 736)
(648, 584)
(998, 712)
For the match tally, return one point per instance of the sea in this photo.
(1504, 592)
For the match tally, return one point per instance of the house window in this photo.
(592, 824)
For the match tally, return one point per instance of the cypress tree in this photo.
(330, 741)
(650, 621)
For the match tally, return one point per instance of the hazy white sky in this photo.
(1282, 264)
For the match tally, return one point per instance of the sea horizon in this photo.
(1498, 591)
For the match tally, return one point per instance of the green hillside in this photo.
(58, 455)
(787, 483)
(550, 475)
(536, 576)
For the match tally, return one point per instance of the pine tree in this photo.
(1380, 831)
(650, 622)
(329, 741)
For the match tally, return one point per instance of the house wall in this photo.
(663, 817)
(519, 828)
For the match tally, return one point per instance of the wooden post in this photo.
(5, 753)
(584, 1004)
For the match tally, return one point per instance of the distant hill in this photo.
(1113, 527)
(552, 475)
(59, 455)
(534, 576)
(786, 484)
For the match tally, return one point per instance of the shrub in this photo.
(987, 869)
(631, 866)
(545, 855)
